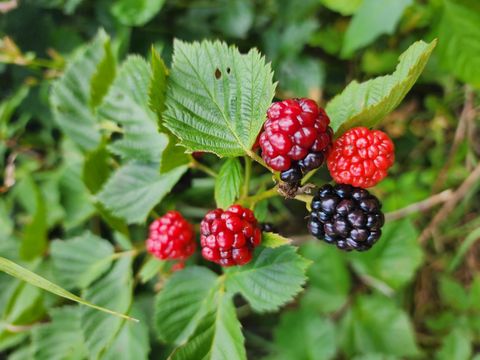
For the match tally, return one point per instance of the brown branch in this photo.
(419, 206)
(450, 204)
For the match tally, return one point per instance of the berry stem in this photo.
(248, 174)
(194, 164)
(252, 200)
(307, 199)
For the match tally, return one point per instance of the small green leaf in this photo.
(96, 169)
(127, 104)
(103, 76)
(158, 84)
(183, 302)
(228, 183)
(70, 96)
(23, 274)
(367, 103)
(217, 98)
(302, 334)
(398, 248)
(150, 268)
(136, 13)
(64, 331)
(81, 260)
(453, 294)
(374, 324)
(274, 240)
(456, 345)
(373, 18)
(271, 279)
(114, 291)
(218, 336)
(459, 48)
(134, 189)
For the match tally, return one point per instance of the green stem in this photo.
(252, 200)
(307, 199)
(308, 176)
(194, 164)
(248, 174)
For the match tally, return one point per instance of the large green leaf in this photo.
(103, 76)
(374, 324)
(398, 248)
(274, 240)
(344, 7)
(459, 35)
(218, 336)
(367, 103)
(228, 183)
(127, 104)
(79, 261)
(61, 338)
(23, 274)
(372, 19)
(271, 279)
(303, 335)
(71, 98)
(183, 302)
(217, 98)
(328, 277)
(113, 291)
(134, 189)
(136, 12)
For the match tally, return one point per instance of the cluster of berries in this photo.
(227, 237)
(297, 138)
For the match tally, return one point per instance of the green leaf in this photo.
(183, 302)
(34, 241)
(344, 7)
(373, 18)
(274, 240)
(132, 341)
(127, 104)
(236, 18)
(70, 96)
(453, 294)
(150, 268)
(96, 169)
(158, 84)
(303, 335)
(367, 103)
(271, 279)
(301, 76)
(374, 324)
(23, 274)
(102, 77)
(464, 247)
(217, 98)
(328, 277)
(398, 248)
(113, 291)
(136, 12)
(456, 345)
(64, 331)
(134, 189)
(218, 336)
(228, 183)
(459, 48)
(79, 261)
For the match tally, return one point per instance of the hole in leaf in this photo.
(218, 73)
(228, 70)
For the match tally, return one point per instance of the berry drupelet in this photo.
(361, 157)
(296, 138)
(171, 237)
(229, 237)
(349, 217)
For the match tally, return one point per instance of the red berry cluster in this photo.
(171, 237)
(296, 136)
(229, 237)
(361, 157)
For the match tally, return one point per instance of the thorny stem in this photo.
(194, 164)
(248, 174)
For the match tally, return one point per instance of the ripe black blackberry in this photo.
(346, 216)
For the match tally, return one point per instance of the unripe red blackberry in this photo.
(171, 237)
(361, 157)
(229, 237)
(296, 138)
(349, 217)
